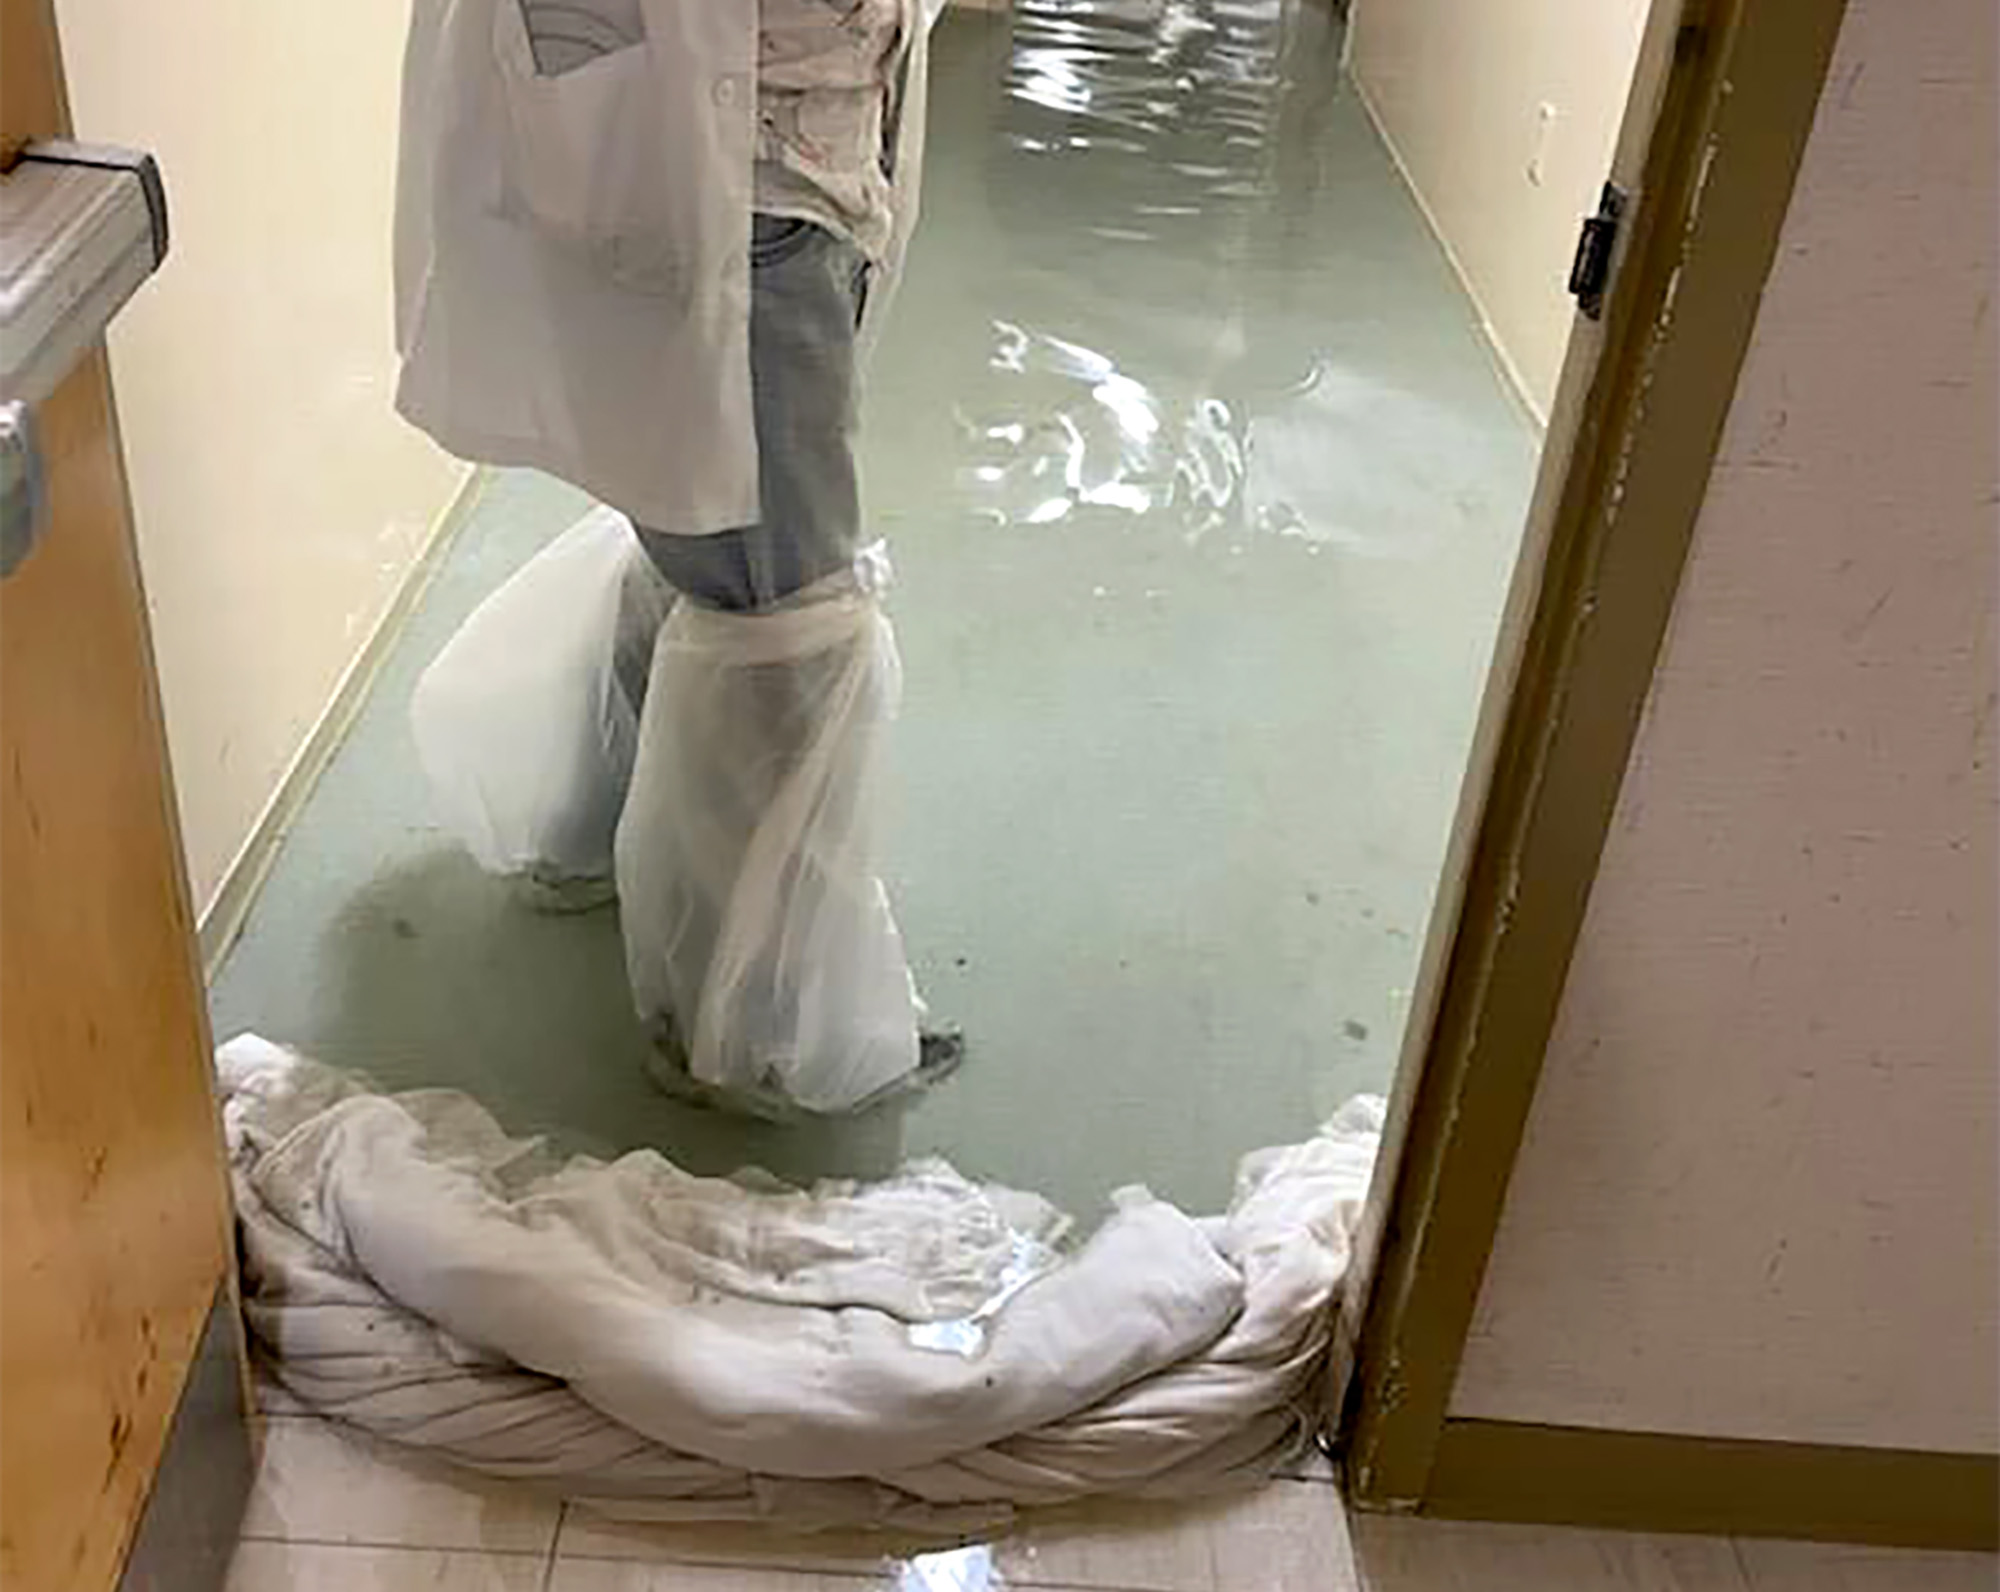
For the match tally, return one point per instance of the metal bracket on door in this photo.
(81, 227)
(1596, 247)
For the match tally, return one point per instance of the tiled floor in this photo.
(333, 1514)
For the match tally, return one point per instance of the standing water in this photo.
(1203, 493)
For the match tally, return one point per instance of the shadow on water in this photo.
(438, 977)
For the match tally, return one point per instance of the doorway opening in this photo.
(1203, 436)
(1203, 465)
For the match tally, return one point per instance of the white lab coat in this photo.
(572, 252)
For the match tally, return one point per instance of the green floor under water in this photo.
(1203, 493)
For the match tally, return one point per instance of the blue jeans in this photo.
(807, 288)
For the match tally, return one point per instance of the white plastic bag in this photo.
(527, 722)
(755, 923)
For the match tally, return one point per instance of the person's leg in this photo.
(806, 297)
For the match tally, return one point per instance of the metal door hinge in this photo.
(1590, 271)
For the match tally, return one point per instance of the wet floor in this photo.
(1203, 492)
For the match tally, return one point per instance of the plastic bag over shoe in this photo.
(755, 921)
(732, 779)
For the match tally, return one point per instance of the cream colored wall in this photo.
(279, 501)
(1758, 1192)
(1457, 88)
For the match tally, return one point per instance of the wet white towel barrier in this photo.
(917, 1352)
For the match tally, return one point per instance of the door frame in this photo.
(1632, 444)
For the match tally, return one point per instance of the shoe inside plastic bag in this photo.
(755, 922)
(527, 722)
(735, 759)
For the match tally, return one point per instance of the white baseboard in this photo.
(1510, 373)
(223, 919)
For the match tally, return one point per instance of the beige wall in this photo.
(279, 501)
(1457, 88)
(1757, 1196)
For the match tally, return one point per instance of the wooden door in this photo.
(113, 1205)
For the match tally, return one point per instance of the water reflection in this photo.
(1032, 1255)
(1186, 92)
(959, 1570)
(1203, 492)
(1065, 429)
(1185, 138)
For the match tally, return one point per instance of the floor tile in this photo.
(1403, 1555)
(1834, 1567)
(962, 1570)
(1285, 1539)
(320, 1483)
(610, 1575)
(588, 1536)
(1128, 1546)
(1291, 1537)
(318, 1567)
